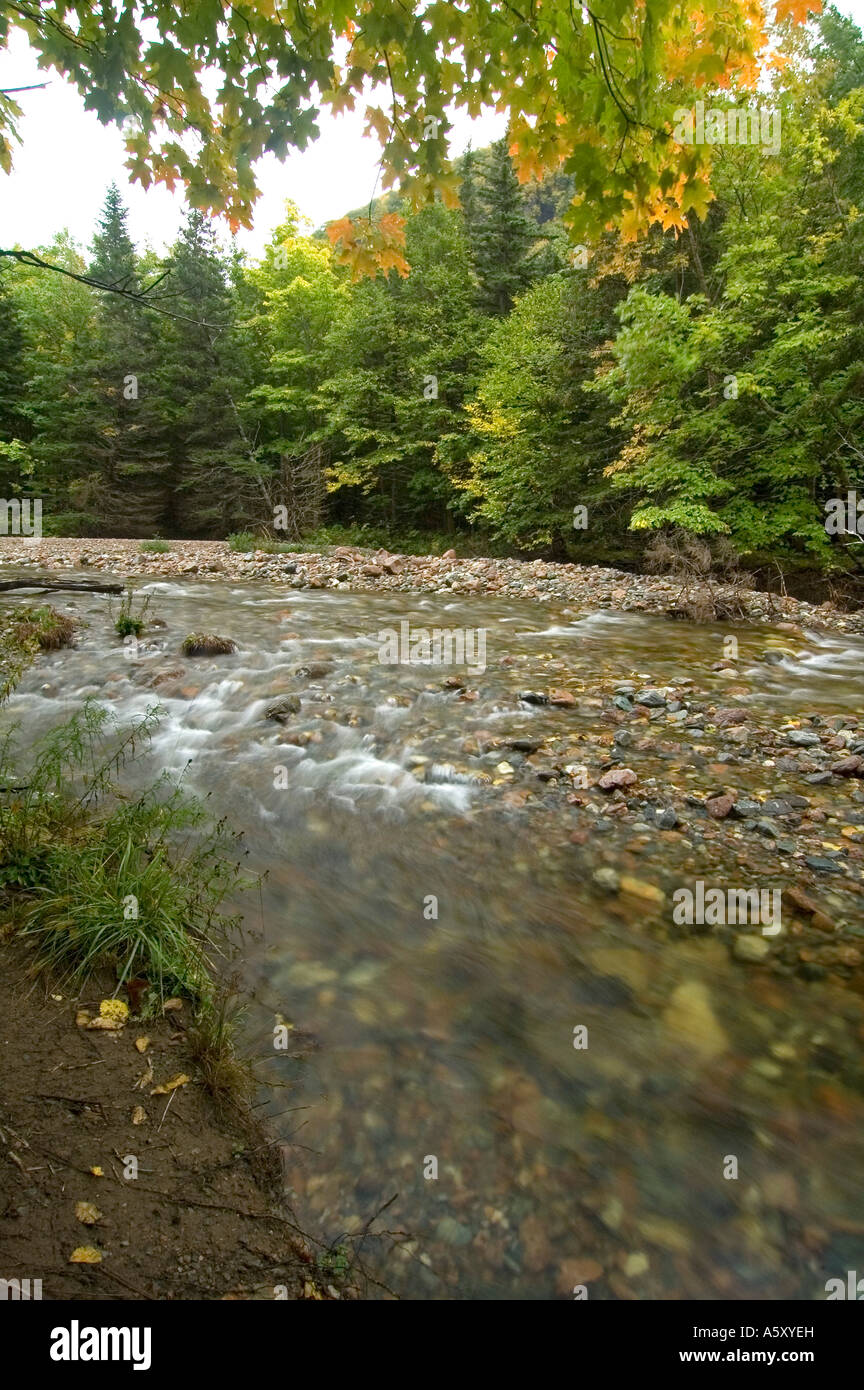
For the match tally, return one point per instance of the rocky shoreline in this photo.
(351, 568)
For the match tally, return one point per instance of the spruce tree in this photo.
(121, 444)
(13, 429)
(199, 384)
(504, 235)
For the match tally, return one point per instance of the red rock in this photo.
(719, 806)
(849, 767)
(573, 1272)
(725, 718)
(561, 697)
(798, 898)
(617, 777)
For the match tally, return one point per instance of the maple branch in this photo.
(136, 296)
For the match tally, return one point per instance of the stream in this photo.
(432, 929)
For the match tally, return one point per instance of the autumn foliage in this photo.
(585, 92)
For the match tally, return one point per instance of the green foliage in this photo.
(203, 91)
(541, 440)
(743, 405)
(155, 547)
(243, 541)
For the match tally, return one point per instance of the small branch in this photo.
(136, 296)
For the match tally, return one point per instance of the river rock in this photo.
(753, 950)
(283, 708)
(653, 699)
(690, 1021)
(617, 777)
(852, 766)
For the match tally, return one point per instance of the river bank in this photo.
(111, 1188)
(349, 568)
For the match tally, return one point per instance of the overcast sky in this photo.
(68, 159)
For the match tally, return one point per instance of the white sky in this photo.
(67, 160)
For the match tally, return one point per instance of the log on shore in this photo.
(83, 586)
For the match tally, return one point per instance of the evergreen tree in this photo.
(505, 235)
(120, 444)
(14, 459)
(198, 386)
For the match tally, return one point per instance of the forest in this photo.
(513, 393)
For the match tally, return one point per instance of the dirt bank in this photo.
(202, 1218)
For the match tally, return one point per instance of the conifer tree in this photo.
(504, 235)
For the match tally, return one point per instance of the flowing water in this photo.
(433, 939)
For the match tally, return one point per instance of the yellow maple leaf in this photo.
(85, 1255)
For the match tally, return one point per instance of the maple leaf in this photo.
(343, 230)
(796, 10)
(393, 226)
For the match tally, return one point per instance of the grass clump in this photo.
(207, 644)
(243, 541)
(44, 628)
(132, 883)
(246, 541)
(128, 622)
(155, 547)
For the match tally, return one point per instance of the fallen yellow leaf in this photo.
(114, 1009)
(97, 1172)
(142, 1044)
(181, 1079)
(139, 1115)
(87, 1213)
(85, 1255)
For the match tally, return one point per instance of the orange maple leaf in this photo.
(797, 10)
(343, 230)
